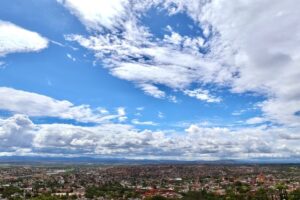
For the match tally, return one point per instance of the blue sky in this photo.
(149, 79)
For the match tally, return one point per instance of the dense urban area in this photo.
(187, 182)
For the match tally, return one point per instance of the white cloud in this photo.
(121, 114)
(21, 136)
(16, 132)
(187, 42)
(265, 54)
(202, 95)
(152, 90)
(14, 39)
(155, 63)
(148, 123)
(173, 99)
(40, 105)
(239, 112)
(2, 65)
(121, 111)
(103, 110)
(140, 108)
(160, 115)
(243, 50)
(255, 120)
(134, 54)
(282, 110)
(96, 14)
(248, 142)
(71, 57)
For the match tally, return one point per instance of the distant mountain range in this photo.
(85, 160)
(20, 160)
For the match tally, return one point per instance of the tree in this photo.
(45, 197)
(158, 198)
(295, 195)
(8, 191)
(261, 194)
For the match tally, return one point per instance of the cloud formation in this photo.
(147, 123)
(14, 39)
(238, 48)
(111, 136)
(121, 140)
(249, 40)
(202, 95)
(98, 14)
(40, 105)
(132, 53)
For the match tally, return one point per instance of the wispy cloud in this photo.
(160, 115)
(234, 58)
(71, 57)
(148, 123)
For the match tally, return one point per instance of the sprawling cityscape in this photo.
(150, 99)
(166, 181)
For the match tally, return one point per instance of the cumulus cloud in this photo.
(123, 140)
(256, 47)
(249, 142)
(14, 39)
(239, 48)
(16, 132)
(40, 105)
(242, 42)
